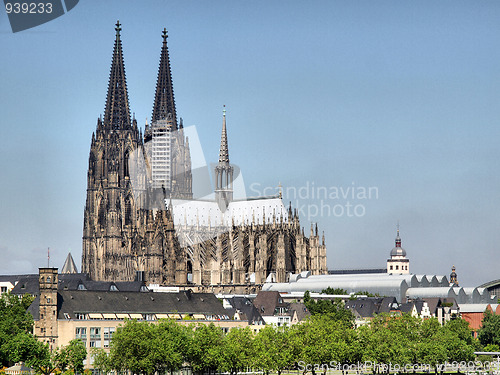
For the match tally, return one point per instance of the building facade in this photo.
(64, 314)
(398, 263)
(140, 215)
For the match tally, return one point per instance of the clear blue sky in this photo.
(401, 96)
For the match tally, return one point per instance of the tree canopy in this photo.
(489, 333)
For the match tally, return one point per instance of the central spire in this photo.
(223, 172)
(224, 151)
(117, 112)
(164, 98)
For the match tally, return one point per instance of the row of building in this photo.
(71, 306)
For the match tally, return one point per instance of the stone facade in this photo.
(130, 223)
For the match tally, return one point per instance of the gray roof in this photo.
(357, 271)
(369, 306)
(461, 295)
(85, 301)
(491, 284)
(365, 307)
(246, 307)
(267, 302)
(300, 309)
(382, 284)
(29, 284)
(408, 307)
(11, 278)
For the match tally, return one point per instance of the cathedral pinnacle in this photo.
(164, 97)
(117, 112)
(224, 151)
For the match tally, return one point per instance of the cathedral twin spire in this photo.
(164, 97)
(117, 112)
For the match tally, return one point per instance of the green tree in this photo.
(273, 348)
(335, 309)
(101, 360)
(14, 320)
(169, 345)
(384, 342)
(238, 350)
(131, 347)
(489, 333)
(25, 347)
(322, 339)
(334, 291)
(72, 356)
(461, 328)
(206, 352)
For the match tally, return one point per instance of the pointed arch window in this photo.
(102, 214)
(126, 171)
(128, 211)
(92, 163)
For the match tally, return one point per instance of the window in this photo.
(80, 316)
(95, 333)
(95, 344)
(3, 290)
(81, 333)
(113, 288)
(397, 267)
(390, 268)
(81, 287)
(108, 332)
(95, 337)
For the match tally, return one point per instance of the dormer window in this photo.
(113, 288)
(81, 287)
(48, 279)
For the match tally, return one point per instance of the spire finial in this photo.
(224, 110)
(280, 187)
(398, 239)
(118, 28)
(165, 34)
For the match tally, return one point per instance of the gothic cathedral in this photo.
(141, 220)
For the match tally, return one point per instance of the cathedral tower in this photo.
(223, 171)
(127, 227)
(166, 146)
(109, 208)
